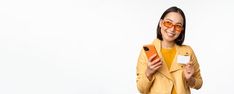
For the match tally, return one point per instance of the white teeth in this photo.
(170, 34)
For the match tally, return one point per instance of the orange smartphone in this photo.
(150, 50)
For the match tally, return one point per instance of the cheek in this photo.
(163, 29)
(178, 34)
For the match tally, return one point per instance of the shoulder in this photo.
(156, 42)
(186, 48)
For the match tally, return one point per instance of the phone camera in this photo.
(146, 48)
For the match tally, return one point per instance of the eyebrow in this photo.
(172, 21)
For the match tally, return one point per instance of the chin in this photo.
(170, 39)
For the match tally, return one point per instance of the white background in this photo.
(92, 46)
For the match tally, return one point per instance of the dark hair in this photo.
(180, 39)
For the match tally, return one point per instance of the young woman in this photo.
(166, 75)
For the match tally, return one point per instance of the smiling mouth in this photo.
(170, 34)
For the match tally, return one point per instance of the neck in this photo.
(168, 44)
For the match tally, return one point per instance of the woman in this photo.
(166, 75)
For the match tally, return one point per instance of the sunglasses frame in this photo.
(177, 27)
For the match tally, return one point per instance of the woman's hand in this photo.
(188, 71)
(152, 66)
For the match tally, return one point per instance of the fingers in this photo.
(189, 68)
(188, 71)
(157, 65)
(189, 64)
(155, 61)
(152, 57)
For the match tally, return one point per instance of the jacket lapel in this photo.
(175, 65)
(163, 70)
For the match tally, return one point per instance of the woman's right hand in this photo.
(152, 66)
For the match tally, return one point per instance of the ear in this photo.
(160, 23)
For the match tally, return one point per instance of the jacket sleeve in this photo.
(143, 83)
(197, 74)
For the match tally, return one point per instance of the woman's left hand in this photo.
(188, 71)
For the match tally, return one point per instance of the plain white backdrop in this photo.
(92, 46)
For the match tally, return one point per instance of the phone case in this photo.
(150, 50)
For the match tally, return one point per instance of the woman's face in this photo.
(171, 26)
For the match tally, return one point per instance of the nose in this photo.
(172, 28)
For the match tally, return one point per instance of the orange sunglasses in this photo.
(169, 24)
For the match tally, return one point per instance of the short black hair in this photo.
(180, 39)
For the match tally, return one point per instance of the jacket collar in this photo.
(174, 67)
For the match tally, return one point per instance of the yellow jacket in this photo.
(162, 82)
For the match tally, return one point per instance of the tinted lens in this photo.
(178, 28)
(167, 24)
